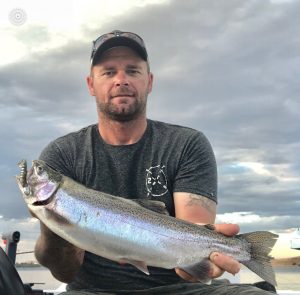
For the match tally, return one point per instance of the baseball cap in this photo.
(118, 38)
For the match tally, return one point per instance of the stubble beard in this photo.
(123, 113)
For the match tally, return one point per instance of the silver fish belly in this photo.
(126, 231)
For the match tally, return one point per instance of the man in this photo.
(128, 155)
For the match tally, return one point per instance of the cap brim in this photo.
(119, 41)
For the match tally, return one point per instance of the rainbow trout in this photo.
(127, 231)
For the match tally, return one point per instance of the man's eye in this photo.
(108, 73)
(133, 71)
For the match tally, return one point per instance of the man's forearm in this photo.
(62, 258)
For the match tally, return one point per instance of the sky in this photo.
(228, 68)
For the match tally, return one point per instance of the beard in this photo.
(123, 112)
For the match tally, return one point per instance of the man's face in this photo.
(121, 83)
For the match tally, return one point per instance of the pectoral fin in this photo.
(200, 270)
(141, 265)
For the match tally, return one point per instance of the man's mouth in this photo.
(123, 95)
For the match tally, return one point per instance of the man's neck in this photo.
(122, 133)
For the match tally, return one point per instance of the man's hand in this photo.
(219, 262)
(62, 258)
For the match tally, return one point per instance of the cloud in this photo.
(29, 230)
(28, 227)
(228, 68)
(251, 221)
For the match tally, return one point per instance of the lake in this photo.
(288, 278)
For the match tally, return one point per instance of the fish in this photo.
(139, 232)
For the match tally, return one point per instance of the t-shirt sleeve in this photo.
(197, 171)
(55, 156)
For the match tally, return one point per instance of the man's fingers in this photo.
(227, 229)
(215, 271)
(219, 263)
(224, 263)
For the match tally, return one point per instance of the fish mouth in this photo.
(43, 202)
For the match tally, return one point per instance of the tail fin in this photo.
(262, 243)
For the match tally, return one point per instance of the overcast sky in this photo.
(228, 68)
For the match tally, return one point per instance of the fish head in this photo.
(39, 183)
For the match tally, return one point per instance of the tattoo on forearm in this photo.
(200, 201)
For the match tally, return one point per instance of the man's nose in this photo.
(121, 79)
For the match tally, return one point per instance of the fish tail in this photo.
(262, 243)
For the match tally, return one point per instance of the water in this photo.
(288, 278)
(41, 276)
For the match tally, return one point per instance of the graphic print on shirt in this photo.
(156, 181)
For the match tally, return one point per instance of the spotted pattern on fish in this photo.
(121, 229)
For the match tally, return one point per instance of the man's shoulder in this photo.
(165, 129)
(78, 135)
(67, 146)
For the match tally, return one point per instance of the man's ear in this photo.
(90, 84)
(150, 82)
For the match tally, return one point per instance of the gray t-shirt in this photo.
(168, 158)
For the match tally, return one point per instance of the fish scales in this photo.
(125, 230)
(123, 224)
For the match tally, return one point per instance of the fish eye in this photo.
(39, 170)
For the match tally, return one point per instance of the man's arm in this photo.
(62, 258)
(194, 208)
(199, 209)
